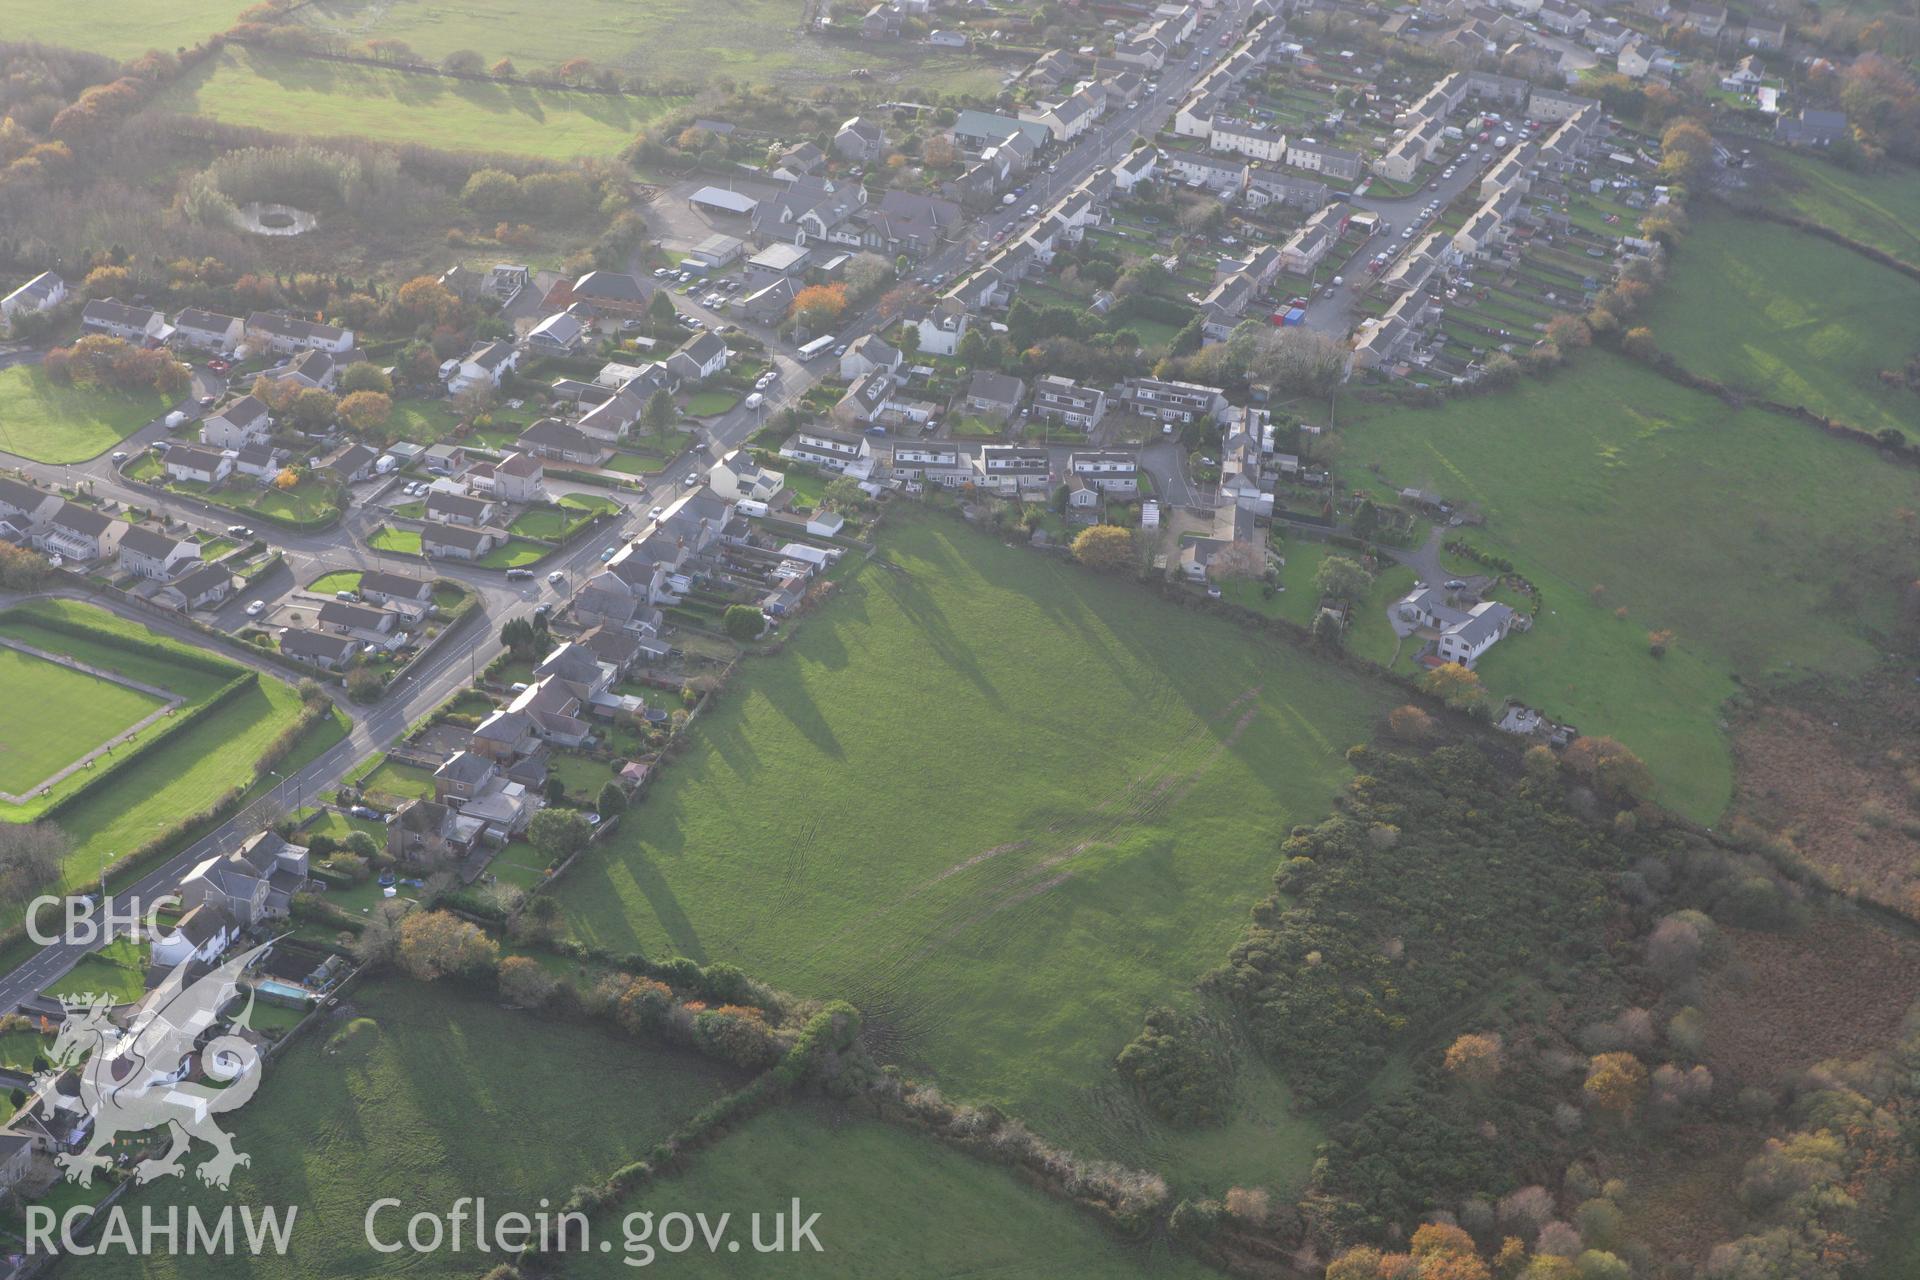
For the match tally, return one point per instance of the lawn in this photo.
(60, 714)
(748, 41)
(423, 421)
(557, 521)
(635, 464)
(1880, 208)
(413, 1099)
(1006, 897)
(1792, 317)
(1767, 547)
(400, 542)
(46, 423)
(806, 486)
(117, 969)
(339, 580)
(707, 404)
(332, 99)
(891, 1204)
(394, 782)
(100, 27)
(512, 554)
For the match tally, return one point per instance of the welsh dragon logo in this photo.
(137, 1078)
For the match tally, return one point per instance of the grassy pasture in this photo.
(1776, 311)
(891, 1204)
(1759, 541)
(750, 41)
(1880, 208)
(72, 713)
(417, 1106)
(46, 423)
(332, 99)
(104, 26)
(1005, 896)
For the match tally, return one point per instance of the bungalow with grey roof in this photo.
(555, 441)
(484, 366)
(328, 652)
(452, 508)
(997, 395)
(198, 588)
(195, 464)
(455, 542)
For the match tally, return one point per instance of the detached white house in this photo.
(1462, 635)
(484, 366)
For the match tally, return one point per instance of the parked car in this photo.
(557, 576)
(656, 513)
(609, 554)
(519, 573)
(256, 608)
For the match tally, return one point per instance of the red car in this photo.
(219, 366)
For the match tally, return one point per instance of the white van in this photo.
(755, 400)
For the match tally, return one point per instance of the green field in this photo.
(430, 1103)
(1767, 547)
(677, 41)
(1881, 208)
(58, 715)
(333, 99)
(101, 26)
(892, 1204)
(1787, 315)
(45, 423)
(199, 762)
(1005, 896)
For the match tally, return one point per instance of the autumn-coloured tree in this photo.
(1105, 547)
(939, 152)
(424, 300)
(1685, 149)
(437, 944)
(819, 304)
(1456, 686)
(1475, 1058)
(1616, 1082)
(287, 478)
(365, 410)
(104, 282)
(1614, 771)
(1410, 724)
(1658, 640)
